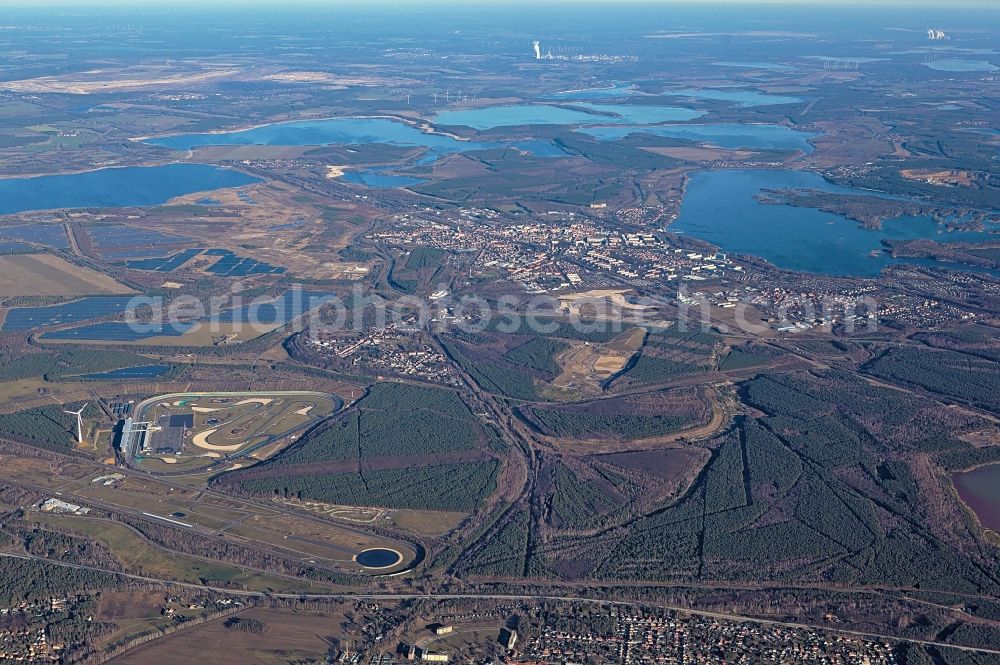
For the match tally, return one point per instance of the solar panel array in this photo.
(114, 241)
(15, 247)
(119, 331)
(50, 235)
(231, 265)
(275, 312)
(228, 264)
(164, 263)
(96, 307)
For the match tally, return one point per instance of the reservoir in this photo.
(378, 558)
(331, 131)
(379, 180)
(115, 187)
(514, 115)
(980, 490)
(719, 207)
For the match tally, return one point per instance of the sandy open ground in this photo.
(102, 82)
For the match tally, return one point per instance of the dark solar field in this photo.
(115, 242)
(276, 312)
(231, 265)
(50, 235)
(227, 265)
(85, 309)
(121, 409)
(119, 331)
(164, 264)
(14, 247)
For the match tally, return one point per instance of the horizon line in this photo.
(140, 5)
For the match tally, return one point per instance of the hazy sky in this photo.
(162, 4)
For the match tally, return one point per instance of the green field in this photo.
(141, 557)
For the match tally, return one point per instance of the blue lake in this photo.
(961, 65)
(353, 131)
(514, 115)
(374, 178)
(115, 187)
(736, 96)
(723, 135)
(331, 131)
(719, 207)
(140, 372)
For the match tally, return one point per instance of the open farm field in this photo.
(141, 557)
(287, 636)
(50, 275)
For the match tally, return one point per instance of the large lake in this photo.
(353, 131)
(115, 187)
(513, 115)
(962, 65)
(980, 490)
(719, 207)
(331, 131)
(723, 135)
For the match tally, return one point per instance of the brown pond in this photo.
(980, 490)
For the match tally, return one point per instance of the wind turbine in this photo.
(79, 422)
